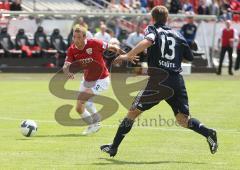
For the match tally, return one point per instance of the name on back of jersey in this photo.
(167, 64)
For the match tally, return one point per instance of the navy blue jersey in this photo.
(168, 49)
(189, 32)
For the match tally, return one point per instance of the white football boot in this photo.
(93, 128)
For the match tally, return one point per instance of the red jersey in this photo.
(226, 36)
(90, 59)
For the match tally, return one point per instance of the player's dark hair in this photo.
(160, 14)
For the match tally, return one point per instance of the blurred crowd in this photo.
(224, 9)
(12, 5)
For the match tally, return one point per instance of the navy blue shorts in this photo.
(171, 89)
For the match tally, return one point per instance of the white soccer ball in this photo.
(28, 128)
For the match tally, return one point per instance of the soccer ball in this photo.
(28, 128)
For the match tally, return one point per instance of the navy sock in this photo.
(196, 126)
(123, 129)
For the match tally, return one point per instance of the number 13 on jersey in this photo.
(170, 45)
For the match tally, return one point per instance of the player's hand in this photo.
(120, 58)
(70, 76)
(67, 72)
(133, 59)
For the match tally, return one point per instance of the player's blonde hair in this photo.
(81, 28)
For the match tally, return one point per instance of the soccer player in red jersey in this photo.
(87, 54)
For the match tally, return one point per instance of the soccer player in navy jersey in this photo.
(166, 49)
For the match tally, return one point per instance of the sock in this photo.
(196, 126)
(96, 117)
(86, 116)
(123, 129)
(90, 106)
(93, 111)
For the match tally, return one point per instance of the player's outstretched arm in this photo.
(132, 55)
(66, 70)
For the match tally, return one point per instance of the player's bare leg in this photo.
(123, 129)
(195, 125)
(91, 119)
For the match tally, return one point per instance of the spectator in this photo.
(150, 4)
(101, 22)
(81, 22)
(4, 21)
(16, 6)
(189, 30)
(235, 5)
(143, 24)
(143, 5)
(135, 37)
(203, 9)
(125, 5)
(208, 2)
(175, 6)
(237, 64)
(113, 39)
(132, 40)
(117, 28)
(5, 5)
(114, 4)
(153, 3)
(227, 39)
(102, 34)
(214, 8)
(235, 9)
(225, 10)
(187, 6)
(136, 6)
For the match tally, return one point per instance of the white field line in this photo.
(234, 131)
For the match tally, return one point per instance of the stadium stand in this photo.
(54, 5)
(7, 44)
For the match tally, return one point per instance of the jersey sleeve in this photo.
(69, 57)
(100, 45)
(150, 33)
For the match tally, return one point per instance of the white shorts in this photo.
(96, 86)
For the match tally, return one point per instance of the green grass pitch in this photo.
(214, 100)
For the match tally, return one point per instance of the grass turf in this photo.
(213, 100)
